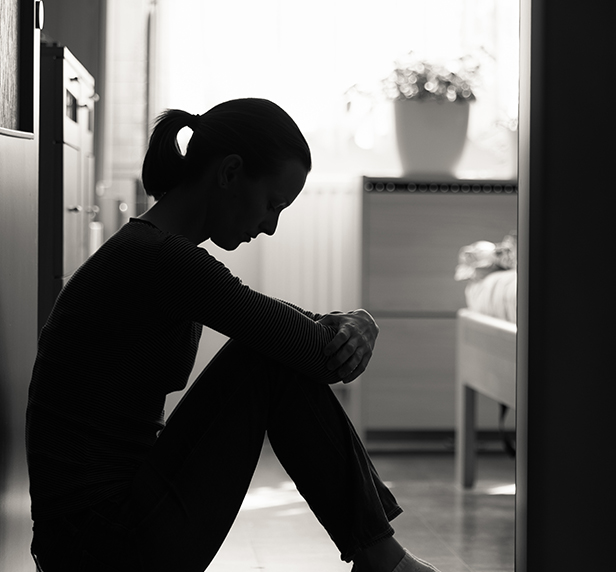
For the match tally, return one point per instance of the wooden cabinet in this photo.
(412, 233)
(66, 171)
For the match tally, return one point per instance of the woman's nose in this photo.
(269, 225)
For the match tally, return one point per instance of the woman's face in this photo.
(247, 207)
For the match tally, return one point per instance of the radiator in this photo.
(314, 258)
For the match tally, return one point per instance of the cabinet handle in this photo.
(74, 209)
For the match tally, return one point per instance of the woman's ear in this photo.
(229, 171)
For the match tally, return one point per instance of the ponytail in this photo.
(164, 165)
(257, 130)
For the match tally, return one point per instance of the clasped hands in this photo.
(351, 348)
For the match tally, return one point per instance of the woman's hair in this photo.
(257, 130)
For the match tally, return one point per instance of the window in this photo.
(305, 56)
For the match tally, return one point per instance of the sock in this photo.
(410, 563)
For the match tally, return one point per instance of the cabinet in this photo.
(411, 235)
(66, 170)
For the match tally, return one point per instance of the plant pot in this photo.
(431, 136)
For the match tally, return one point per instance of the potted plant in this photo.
(431, 110)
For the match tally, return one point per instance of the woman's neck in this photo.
(176, 213)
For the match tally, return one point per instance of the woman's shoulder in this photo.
(141, 243)
(137, 234)
(135, 245)
(137, 230)
(142, 226)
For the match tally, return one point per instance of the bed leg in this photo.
(465, 436)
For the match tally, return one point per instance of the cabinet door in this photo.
(87, 200)
(86, 126)
(411, 245)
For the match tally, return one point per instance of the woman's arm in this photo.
(193, 285)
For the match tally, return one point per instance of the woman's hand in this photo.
(351, 348)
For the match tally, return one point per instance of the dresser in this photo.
(411, 234)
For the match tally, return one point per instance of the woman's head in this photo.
(257, 130)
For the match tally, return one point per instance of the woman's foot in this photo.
(381, 557)
(410, 563)
(389, 556)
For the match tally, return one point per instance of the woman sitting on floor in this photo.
(115, 489)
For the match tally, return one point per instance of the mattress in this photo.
(494, 295)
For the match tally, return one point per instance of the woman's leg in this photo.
(187, 494)
(318, 446)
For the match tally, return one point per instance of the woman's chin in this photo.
(228, 244)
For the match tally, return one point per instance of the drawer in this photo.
(411, 245)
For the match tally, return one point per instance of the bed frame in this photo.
(485, 363)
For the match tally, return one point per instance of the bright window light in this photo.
(306, 56)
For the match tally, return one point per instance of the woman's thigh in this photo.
(188, 492)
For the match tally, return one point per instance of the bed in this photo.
(485, 341)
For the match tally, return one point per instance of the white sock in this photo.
(410, 563)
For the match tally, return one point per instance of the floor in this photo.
(456, 530)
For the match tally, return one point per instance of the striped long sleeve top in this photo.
(123, 334)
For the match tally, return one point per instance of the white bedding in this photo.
(494, 295)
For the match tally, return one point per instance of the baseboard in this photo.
(439, 441)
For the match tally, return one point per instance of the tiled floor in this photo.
(456, 530)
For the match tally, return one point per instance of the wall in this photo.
(77, 25)
(18, 335)
(124, 125)
(18, 300)
(566, 461)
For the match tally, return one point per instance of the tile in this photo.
(456, 530)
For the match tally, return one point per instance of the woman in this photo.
(115, 489)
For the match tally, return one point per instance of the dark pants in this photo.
(187, 494)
